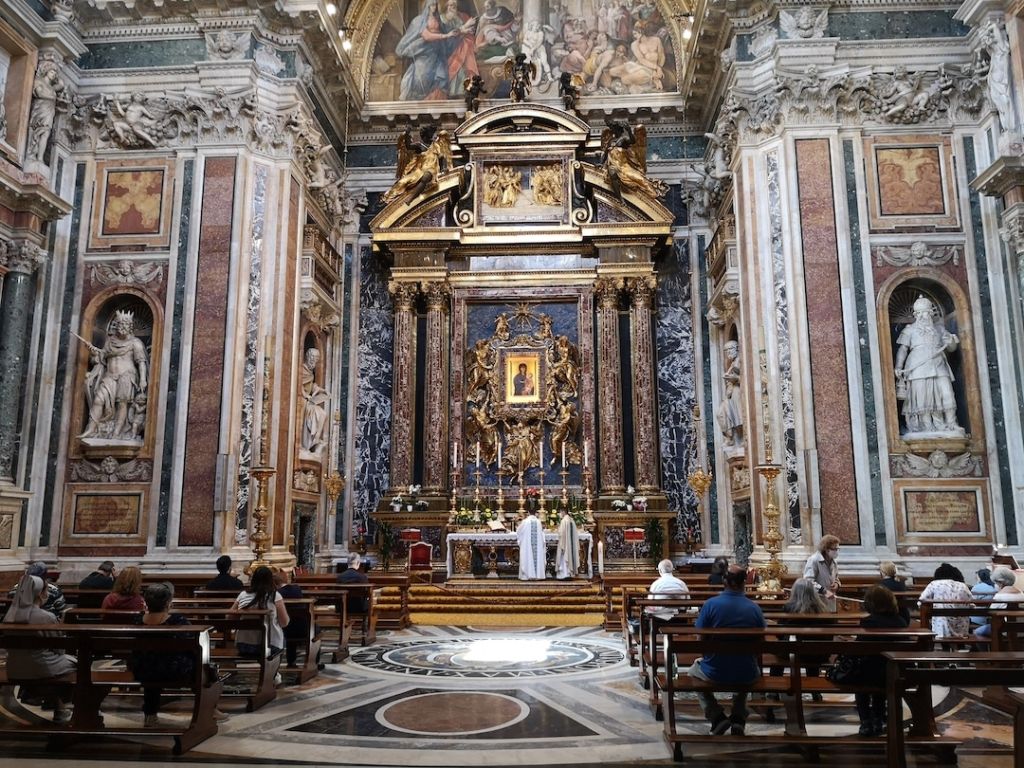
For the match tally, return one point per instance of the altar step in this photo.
(514, 603)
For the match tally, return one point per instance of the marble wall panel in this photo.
(252, 362)
(838, 486)
(206, 376)
(168, 462)
(713, 536)
(139, 54)
(287, 297)
(373, 390)
(784, 363)
(673, 333)
(895, 25)
(66, 311)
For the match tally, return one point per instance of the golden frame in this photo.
(522, 378)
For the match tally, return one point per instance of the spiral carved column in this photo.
(642, 366)
(609, 388)
(435, 436)
(403, 392)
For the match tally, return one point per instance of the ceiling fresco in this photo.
(427, 48)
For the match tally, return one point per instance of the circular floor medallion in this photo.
(454, 713)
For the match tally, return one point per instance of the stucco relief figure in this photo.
(481, 364)
(502, 186)
(924, 380)
(314, 409)
(730, 411)
(625, 160)
(420, 166)
(480, 428)
(993, 39)
(566, 369)
(501, 329)
(804, 23)
(132, 124)
(117, 383)
(49, 94)
(522, 448)
(563, 431)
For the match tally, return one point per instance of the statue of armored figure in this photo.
(730, 411)
(924, 380)
(117, 384)
(314, 409)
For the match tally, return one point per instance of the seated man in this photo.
(354, 575)
(665, 586)
(730, 609)
(224, 579)
(101, 578)
(55, 602)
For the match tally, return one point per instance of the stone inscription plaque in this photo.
(107, 513)
(942, 511)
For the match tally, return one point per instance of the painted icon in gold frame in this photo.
(522, 378)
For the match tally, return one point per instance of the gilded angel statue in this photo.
(520, 73)
(421, 163)
(625, 160)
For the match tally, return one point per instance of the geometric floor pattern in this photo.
(447, 696)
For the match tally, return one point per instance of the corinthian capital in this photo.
(437, 294)
(403, 294)
(1012, 230)
(641, 290)
(23, 256)
(607, 290)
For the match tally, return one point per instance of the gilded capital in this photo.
(437, 294)
(641, 290)
(403, 294)
(607, 291)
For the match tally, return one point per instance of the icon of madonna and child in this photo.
(615, 46)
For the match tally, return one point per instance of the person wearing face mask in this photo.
(821, 568)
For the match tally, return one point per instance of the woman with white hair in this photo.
(1004, 579)
(39, 663)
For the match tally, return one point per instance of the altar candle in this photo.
(540, 448)
(478, 454)
(455, 453)
(499, 457)
(586, 454)
(600, 557)
(563, 455)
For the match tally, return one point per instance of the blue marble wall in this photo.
(139, 54)
(348, 303)
(714, 536)
(373, 389)
(676, 147)
(673, 332)
(67, 305)
(894, 25)
(992, 368)
(480, 325)
(174, 369)
(372, 155)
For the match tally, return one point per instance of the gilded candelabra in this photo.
(772, 571)
(262, 474)
(565, 486)
(501, 495)
(587, 497)
(699, 479)
(453, 510)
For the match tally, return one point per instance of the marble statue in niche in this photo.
(993, 40)
(117, 383)
(924, 379)
(730, 410)
(314, 409)
(49, 95)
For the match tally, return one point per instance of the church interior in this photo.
(508, 301)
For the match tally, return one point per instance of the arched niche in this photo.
(96, 326)
(895, 302)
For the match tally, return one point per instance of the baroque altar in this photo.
(460, 548)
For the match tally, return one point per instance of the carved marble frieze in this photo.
(110, 470)
(936, 464)
(317, 313)
(807, 23)
(127, 272)
(917, 254)
(306, 481)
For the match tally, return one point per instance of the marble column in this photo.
(435, 436)
(642, 366)
(609, 388)
(1012, 231)
(403, 390)
(22, 258)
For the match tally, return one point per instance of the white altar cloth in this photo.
(486, 539)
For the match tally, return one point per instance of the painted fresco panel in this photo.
(910, 181)
(426, 49)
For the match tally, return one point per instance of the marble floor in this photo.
(489, 696)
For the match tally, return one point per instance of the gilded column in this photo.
(403, 390)
(642, 366)
(22, 259)
(435, 436)
(609, 388)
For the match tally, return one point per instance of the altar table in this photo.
(460, 550)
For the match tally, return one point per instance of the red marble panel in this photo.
(206, 376)
(827, 345)
(287, 360)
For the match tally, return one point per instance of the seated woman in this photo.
(892, 581)
(718, 569)
(947, 584)
(296, 631)
(42, 663)
(804, 599)
(1005, 580)
(261, 594)
(126, 594)
(883, 613)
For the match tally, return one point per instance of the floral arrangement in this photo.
(618, 504)
(640, 503)
(552, 517)
(464, 516)
(414, 491)
(421, 505)
(397, 501)
(532, 493)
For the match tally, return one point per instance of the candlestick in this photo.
(565, 485)
(453, 510)
(563, 455)
(499, 456)
(476, 492)
(478, 454)
(501, 490)
(586, 454)
(600, 557)
(540, 449)
(522, 498)
(540, 495)
(455, 453)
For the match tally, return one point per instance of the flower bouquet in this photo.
(640, 503)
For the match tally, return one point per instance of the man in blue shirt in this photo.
(730, 609)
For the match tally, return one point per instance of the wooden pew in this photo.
(919, 671)
(682, 643)
(91, 686)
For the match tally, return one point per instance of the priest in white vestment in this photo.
(531, 548)
(567, 556)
